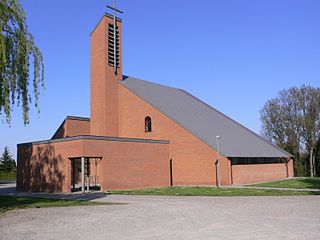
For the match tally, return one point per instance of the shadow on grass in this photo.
(298, 183)
(313, 183)
(19, 202)
(11, 202)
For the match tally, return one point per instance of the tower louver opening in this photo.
(112, 44)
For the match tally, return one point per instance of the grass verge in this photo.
(212, 191)
(299, 183)
(10, 203)
(5, 176)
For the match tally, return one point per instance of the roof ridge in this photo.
(78, 118)
(158, 84)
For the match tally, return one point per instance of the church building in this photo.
(142, 134)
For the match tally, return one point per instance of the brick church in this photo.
(142, 134)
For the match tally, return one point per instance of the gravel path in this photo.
(156, 217)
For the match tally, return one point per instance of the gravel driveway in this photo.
(155, 217)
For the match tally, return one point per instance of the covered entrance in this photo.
(85, 174)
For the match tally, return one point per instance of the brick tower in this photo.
(105, 73)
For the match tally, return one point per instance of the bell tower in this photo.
(105, 74)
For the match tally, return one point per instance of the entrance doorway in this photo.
(91, 174)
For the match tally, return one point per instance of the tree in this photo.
(7, 163)
(317, 156)
(292, 121)
(18, 53)
(309, 107)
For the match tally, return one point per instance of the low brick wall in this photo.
(125, 163)
(243, 174)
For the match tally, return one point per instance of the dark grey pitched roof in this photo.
(203, 121)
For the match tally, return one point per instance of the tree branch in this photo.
(8, 31)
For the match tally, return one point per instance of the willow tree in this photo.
(21, 62)
(292, 121)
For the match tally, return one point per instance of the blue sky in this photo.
(232, 54)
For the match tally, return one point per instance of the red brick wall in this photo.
(242, 174)
(72, 127)
(104, 94)
(61, 131)
(193, 160)
(131, 165)
(77, 127)
(124, 165)
(45, 167)
(290, 168)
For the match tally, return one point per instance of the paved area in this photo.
(157, 217)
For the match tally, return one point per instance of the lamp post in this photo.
(218, 163)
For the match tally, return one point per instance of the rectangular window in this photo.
(246, 161)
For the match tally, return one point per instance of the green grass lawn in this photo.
(213, 191)
(4, 176)
(301, 183)
(10, 202)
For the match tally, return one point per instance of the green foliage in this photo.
(7, 163)
(8, 176)
(292, 121)
(17, 52)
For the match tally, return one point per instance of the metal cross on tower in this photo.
(115, 10)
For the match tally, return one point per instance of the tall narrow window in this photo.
(147, 124)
